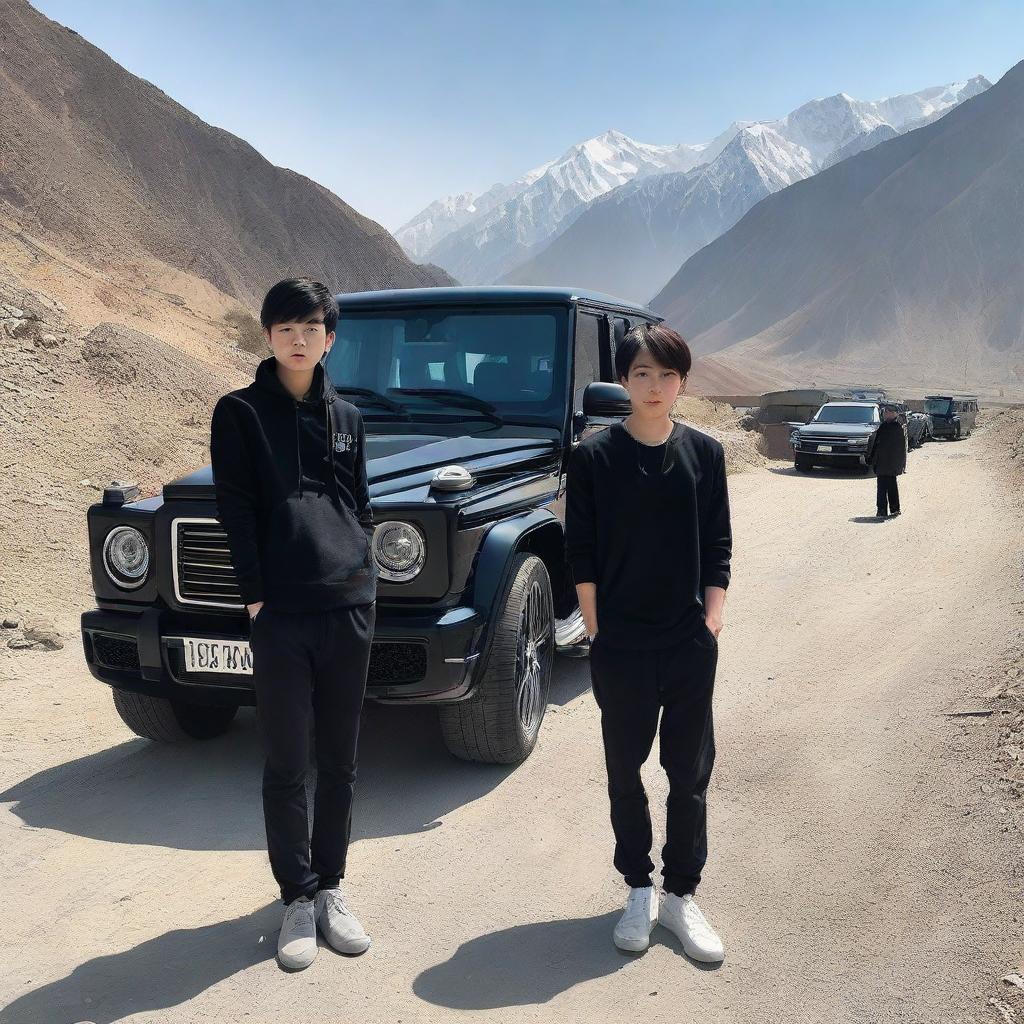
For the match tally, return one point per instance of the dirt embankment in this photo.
(78, 410)
(743, 446)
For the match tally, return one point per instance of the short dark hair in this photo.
(665, 346)
(299, 298)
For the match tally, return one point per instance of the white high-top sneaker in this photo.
(296, 945)
(633, 932)
(339, 925)
(681, 916)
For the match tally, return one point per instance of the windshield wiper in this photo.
(453, 397)
(376, 397)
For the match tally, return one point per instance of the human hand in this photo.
(714, 624)
(253, 609)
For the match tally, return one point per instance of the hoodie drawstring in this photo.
(328, 403)
(298, 446)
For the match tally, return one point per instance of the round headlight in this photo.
(400, 551)
(126, 557)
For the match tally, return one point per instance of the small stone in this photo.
(1013, 979)
(986, 788)
(10, 623)
(19, 643)
(44, 637)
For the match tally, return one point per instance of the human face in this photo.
(653, 388)
(298, 344)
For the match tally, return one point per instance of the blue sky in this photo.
(393, 103)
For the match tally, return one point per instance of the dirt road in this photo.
(858, 871)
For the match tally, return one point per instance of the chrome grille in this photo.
(201, 564)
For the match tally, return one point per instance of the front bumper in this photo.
(841, 454)
(414, 659)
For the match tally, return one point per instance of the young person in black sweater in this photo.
(289, 466)
(649, 542)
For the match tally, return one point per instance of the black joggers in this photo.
(888, 495)
(309, 666)
(633, 688)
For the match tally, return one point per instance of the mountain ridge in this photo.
(905, 256)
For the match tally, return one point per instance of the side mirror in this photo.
(602, 398)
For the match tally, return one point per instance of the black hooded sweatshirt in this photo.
(292, 496)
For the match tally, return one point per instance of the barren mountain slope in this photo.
(112, 170)
(903, 260)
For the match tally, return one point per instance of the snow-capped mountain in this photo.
(481, 237)
(631, 240)
(902, 262)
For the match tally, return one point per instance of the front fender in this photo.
(494, 562)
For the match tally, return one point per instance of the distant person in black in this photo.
(649, 542)
(887, 456)
(289, 467)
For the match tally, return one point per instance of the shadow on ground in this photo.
(157, 974)
(522, 966)
(826, 474)
(142, 792)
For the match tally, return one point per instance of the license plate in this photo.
(230, 657)
(824, 447)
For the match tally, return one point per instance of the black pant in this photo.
(888, 491)
(309, 665)
(632, 688)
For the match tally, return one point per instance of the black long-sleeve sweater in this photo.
(292, 494)
(649, 525)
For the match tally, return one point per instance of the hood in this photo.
(400, 466)
(321, 389)
(321, 392)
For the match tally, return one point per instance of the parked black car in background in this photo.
(919, 428)
(472, 399)
(953, 416)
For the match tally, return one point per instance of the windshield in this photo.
(937, 406)
(847, 414)
(436, 364)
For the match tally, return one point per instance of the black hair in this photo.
(665, 346)
(299, 299)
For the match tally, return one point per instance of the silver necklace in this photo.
(649, 444)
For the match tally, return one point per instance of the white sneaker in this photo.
(633, 932)
(339, 925)
(296, 945)
(681, 916)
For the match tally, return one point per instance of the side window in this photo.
(587, 353)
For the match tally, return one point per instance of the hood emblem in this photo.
(452, 478)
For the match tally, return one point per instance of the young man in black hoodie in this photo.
(289, 465)
(650, 544)
(887, 456)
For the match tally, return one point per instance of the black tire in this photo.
(171, 721)
(500, 723)
(803, 463)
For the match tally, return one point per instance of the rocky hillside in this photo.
(78, 409)
(112, 170)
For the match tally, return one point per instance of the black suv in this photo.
(472, 400)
